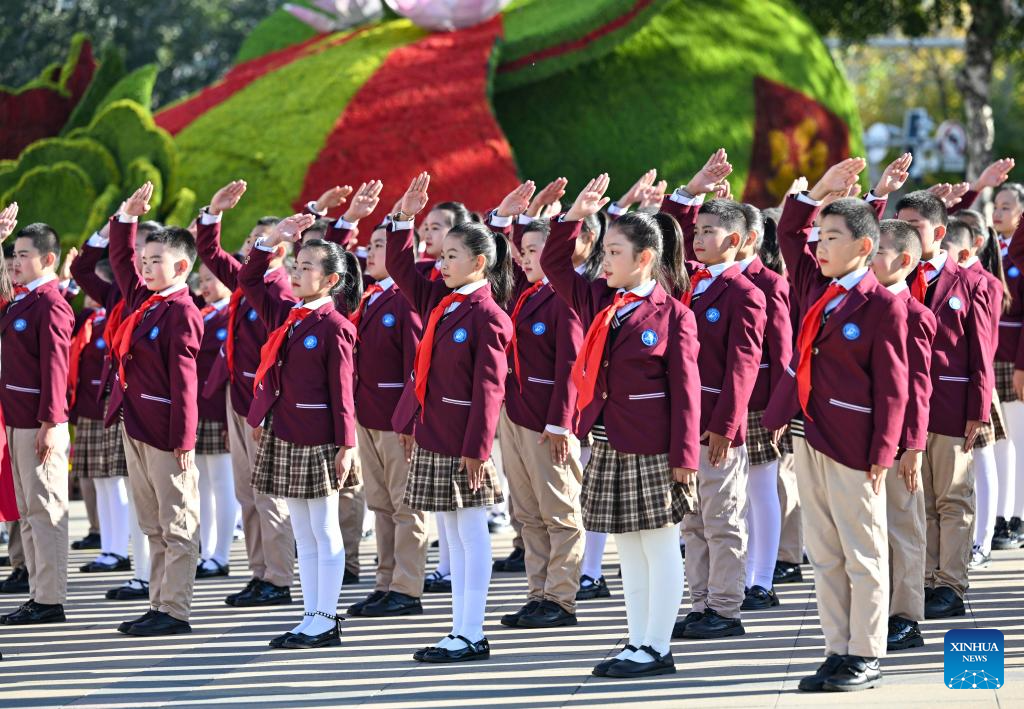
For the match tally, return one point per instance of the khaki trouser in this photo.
(352, 513)
(517, 525)
(904, 512)
(401, 531)
(88, 490)
(716, 535)
(41, 492)
(949, 505)
(848, 550)
(15, 549)
(269, 541)
(791, 539)
(546, 499)
(167, 504)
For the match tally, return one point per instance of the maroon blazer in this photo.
(859, 370)
(160, 405)
(250, 330)
(36, 333)
(920, 335)
(784, 404)
(389, 332)
(309, 392)
(650, 380)
(549, 335)
(212, 388)
(83, 270)
(777, 349)
(89, 392)
(466, 384)
(995, 297)
(1011, 322)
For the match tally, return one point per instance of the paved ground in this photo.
(84, 662)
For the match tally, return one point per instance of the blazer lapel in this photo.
(384, 297)
(299, 333)
(539, 298)
(149, 321)
(715, 290)
(946, 279)
(854, 300)
(638, 317)
(448, 323)
(16, 308)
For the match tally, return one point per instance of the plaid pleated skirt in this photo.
(437, 485)
(117, 464)
(1004, 381)
(283, 469)
(760, 448)
(994, 430)
(210, 438)
(627, 492)
(92, 451)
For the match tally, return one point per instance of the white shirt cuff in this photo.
(343, 223)
(259, 245)
(311, 206)
(127, 218)
(814, 235)
(97, 241)
(615, 210)
(206, 218)
(558, 430)
(500, 222)
(806, 199)
(872, 197)
(398, 226)
(525, 218)
(683, 197)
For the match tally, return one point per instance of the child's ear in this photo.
(963, 255)
(940, 232)
(905, 259)
(49, 260)
(182, 267)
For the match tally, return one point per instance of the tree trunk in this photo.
(988, 18)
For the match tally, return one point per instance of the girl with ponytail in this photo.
(305, 410)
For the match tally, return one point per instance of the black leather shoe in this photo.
(264, 593)
(393, 604)
(596, 588)
(5, 561)
(660, 665)
(601, 668)
(712, 625)
(89, 541)
(855, 674)
(944, 603)
(351, 578)
(1016, 529)
(357, 607)
(230, 600)
(903, 634)
(787, 573)
(435, 583)
(328, 638)
(17, 582)
(473, 651)
(418, 655)
(816, 682)
(511, 620)
(159, 624)
(548, 615)
(33, 613)
(205, 572)
(680, 627)
(123, 627)
(759, 598)
(96, 566)
(515, 562)
(129, 591)
(278, 642)
(1002, 538)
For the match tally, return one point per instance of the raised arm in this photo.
(343, 230)
(83, 269)
(122, 246)
(223, 265)
(273, 307)
(399, 257)
(684, 203)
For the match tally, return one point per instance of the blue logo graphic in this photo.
(649, 337)
(1013, 272)
(310, 342)
(388, 320)
(955, 303)
(460, 335)
(539, 328)
(251, 315)
(713, 315)
(101, 344)
(222, 333)
(20, 324)
(154, 332)
(973, 659)
(851, 331)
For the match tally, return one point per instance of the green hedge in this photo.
(108, 74)
(61, 195)
(136, 86)
(279, 30)
(91, 156)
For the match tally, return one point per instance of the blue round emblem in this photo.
(310, 342)
(460, 335)
(539, 328)
(649, 338)
(1013, 272)
(101, 344)
(388, 320)
(713, 315)
(955, 303)
(154, 332)
(222, 333)
(251, 315)
(851, 331)
(20, 324)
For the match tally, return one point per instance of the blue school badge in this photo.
(460, 335)
(649, 338)
(850, 331)
(251, 315)
(955, 303)
(101, 344)
(713, 315)
(20, 324)
(154, 332)
(388, 320)
(1013, 272)
(222, 333)
(539, 328)
(310, 342)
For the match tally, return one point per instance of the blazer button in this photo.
(814, 350)
(510, 370)
(277, 392)
(604, 395)
(605, 363)
(128, 356)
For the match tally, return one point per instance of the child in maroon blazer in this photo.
(303, 403)
(217, 503)
(442, 218)
(36, 328)
(637, 379)
(269, 543)
(156, 385)
(851, 382)
(455, 402)
(899, 251)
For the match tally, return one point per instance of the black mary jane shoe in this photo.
(128, 591)
(278, 642)
(473, 651)
(357, 607)
(418, 655)
(787, 573)
(759, 598)
(96, 566)
(511, 620)
(601, 668)
(436, 583)
(328, 638)
(89, 541)
(204, 572)
(816, 682)
(660, 665)
(591, 588)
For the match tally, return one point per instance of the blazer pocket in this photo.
(644, 397)
(851, 407)
(310, 406)
(158, 399)
(958, 380)
(23, 390)
(456, 402)
(537, 380)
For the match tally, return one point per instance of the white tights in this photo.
(469, 546)
(217, 505)
(140, 544)
(112, 509)
(1014, 411)
(986, 486)
(321, 554)
(764, 523)
(444, 564)
(652, 583)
